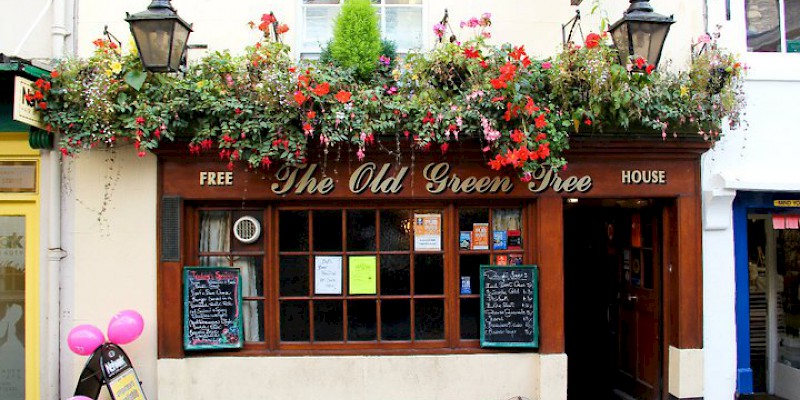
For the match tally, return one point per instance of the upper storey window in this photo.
(773, 25)
(400, 21)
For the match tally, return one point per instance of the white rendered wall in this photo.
(110, 263)
(21, 35)
(467, 377)
(761, 157)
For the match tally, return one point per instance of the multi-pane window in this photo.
(400, 21)
(773, 25)
(394, 277)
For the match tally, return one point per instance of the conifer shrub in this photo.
(356, 38)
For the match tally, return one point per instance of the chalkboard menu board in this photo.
(212, 317)
(509, 306)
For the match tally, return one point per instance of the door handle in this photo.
(632, 297)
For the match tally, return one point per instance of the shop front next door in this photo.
(613, 299)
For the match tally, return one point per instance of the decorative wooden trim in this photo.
(550, 229)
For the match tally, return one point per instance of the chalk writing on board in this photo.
(508, 305)
(212, 315)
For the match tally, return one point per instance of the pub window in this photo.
(357, 278)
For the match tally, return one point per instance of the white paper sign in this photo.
(328, 275)
(428, 232)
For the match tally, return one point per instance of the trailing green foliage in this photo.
(263, 108)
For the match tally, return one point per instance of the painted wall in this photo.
(760, 157)
(501, 376)
(109, 231)
(25, 30)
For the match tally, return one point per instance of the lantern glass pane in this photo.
(648, 39)
(178, 45)
(622, 42)
(152, 38)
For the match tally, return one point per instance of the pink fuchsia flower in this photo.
(439, 30)
(704, 39)
(486, 19)
(385, 60)
(360, 154)
(547, 65)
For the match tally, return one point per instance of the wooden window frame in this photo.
(452, 343)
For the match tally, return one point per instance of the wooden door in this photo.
(639, 355)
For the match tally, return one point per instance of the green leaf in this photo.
(135, 79)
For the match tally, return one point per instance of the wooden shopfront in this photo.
(382, 256)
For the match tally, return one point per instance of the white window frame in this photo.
(308, 52)
(763, 66)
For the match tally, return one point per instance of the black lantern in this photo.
(640, 33)
(160, 36)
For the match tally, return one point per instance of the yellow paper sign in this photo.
(363, 275)
(126, 386)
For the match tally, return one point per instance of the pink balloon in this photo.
(80, 398)
(125, 327)
(85, 339)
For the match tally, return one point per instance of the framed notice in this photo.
(509, 305)
(428, 232)
(212, 315)
(328, 275)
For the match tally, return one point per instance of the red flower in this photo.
(39, 83)
(512, 111)
(43, 105)
(540, 137)
(99, 43)
(265, 161)
(517, 136)
(292, 70)
(544, 150)
(526, 62)
(268, 18)
(540, 121)
(206, 144)
(484, 64)
(650, 69)
(282, 28)
(530, 106)
(498, 83)
(37, 95)
(321, 89)
(641, 62)
(592, 40)
(299, 97)
(523, 153)
(237, 111)
(64, 151)
(311, 114)
(587, 121)
(507, 71)
(140, 120)
(497, 163)
(471, 53)
(444, 147)
(343, 96)
(517, 53)
(54, 74)
(302, 81)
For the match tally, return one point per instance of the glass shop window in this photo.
(358, 278)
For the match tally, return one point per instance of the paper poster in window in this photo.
(328, 275)
(428, 232)
(363, 274)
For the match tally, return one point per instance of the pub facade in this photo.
(382, 278)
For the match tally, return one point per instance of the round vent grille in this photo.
(247, 229)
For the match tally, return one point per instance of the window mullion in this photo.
(782, 20)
